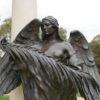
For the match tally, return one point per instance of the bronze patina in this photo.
(48, 68)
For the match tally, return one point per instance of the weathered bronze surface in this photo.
(84, 54)
(48, 68)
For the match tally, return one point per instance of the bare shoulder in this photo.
(65, 45)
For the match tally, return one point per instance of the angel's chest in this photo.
(55, 51)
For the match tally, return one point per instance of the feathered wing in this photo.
(27, 34)
(48, 72)
(9, 79)
(84, 54)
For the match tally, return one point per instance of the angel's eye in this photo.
(2, 53)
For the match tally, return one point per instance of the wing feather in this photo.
(86, 85)
(27, 34)
(84, 54)
(9, 78)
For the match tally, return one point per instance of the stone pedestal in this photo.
(23, 11)
(17, 94)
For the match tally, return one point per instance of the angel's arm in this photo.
(71, 56)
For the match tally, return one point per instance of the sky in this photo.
(82, 15)
(5, 9)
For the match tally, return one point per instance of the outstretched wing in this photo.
(46, 70)
(9, 79)
(28, 33)
(84, 54)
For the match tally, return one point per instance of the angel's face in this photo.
(47, 27)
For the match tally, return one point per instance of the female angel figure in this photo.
(46, 69)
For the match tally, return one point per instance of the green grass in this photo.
(4, 98)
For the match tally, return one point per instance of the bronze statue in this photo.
(47, 68)
(29, 34)
(62, 51)
(54, 46)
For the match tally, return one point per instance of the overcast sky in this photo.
(83, 15)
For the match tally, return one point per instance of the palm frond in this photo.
(42, 66)
(9, 79)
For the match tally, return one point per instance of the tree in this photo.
(97, 38)
(95, 45)
(63, 33)
(5, 28)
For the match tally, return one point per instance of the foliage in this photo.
(97, 38)
(5, 28)
(4, 98)
(95, 45)
(78, 94)
(63, 33)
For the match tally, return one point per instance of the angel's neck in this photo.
(50, 38)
